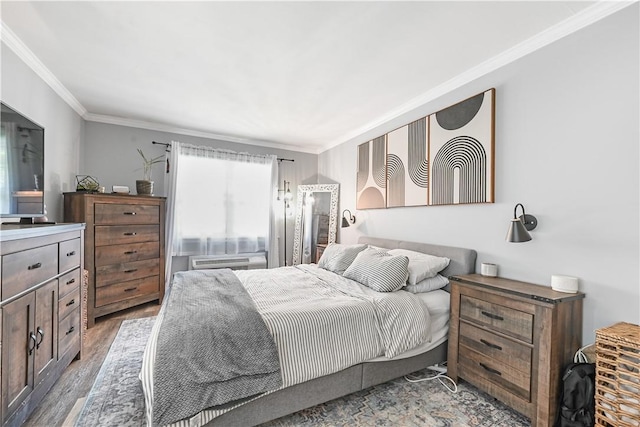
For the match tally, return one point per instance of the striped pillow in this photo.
(338, 258)
(378, 270)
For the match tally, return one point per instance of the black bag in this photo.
(577, 401)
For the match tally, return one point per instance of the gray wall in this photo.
(26, 92)
(567, 137)
(110, 155)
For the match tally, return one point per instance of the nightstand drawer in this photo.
(503, 350)
(115, 273)
(126, 290)
(68, 282)
(107, 213)
(474, 366)
(508, 321)
(123, 234)
(69, 332)
(129, 252)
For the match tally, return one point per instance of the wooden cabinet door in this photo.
(19, 339)
(46, 352)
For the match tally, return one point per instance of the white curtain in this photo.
(220, 202)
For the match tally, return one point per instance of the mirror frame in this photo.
(333, 215)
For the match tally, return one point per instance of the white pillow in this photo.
(338, 258)
(428, 284)
(421, 266)
(378, 270)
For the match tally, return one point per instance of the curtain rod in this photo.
(169, 145)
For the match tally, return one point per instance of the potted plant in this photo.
(145, 186)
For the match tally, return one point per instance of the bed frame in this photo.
(358, 377)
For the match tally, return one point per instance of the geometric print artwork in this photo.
(461, 149)
(407, 165)
(371, 175)
(445, 158)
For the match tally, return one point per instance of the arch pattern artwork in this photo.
(444, 158)
(371, 175)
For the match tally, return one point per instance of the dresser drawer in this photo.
(21, 270)
(69, 333)
(107, 213)
(508, 321)
(114, 273)
(126, 290)
(122, 234)
(68, 303)
(69, 254)
(69, 282)
(503, 350)
(106, 255)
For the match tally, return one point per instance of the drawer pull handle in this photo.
(492, 316)
(41, 333)
(72, 253)
(69, 282)
(73, 301)
(491, 345)
(34, 266)
(130, 252)
(130, 289)
(493, 371)
(129, 213)
(71, 329)
(133, 270)
(130, 234)
(32, 338)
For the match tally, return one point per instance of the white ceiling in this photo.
(298, 75)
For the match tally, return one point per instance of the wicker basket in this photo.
(618, 375)
(85, 286)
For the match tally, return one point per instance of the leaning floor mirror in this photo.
(316, 221)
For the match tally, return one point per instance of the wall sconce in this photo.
(520, 226)
(347, 222)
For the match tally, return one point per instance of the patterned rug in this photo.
(116, 398)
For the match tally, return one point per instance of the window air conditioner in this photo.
(234, 262)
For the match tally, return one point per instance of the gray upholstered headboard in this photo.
(463, 261)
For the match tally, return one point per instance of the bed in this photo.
(317, 384)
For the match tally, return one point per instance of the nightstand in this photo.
(512, 340)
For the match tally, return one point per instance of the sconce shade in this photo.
(517, 233)
(346, 222)
(520, 226)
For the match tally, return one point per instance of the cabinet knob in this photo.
(129, 213)
(70, 303)
(72, 253)
(130, 252)
(130, 233)
(69, 282)
(71, 329)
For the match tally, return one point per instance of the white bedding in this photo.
(322, 323)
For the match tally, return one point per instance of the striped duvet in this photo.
(321, 323)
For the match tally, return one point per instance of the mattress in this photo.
(310, 341)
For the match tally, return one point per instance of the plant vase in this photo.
(144, 187)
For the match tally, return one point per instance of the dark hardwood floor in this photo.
(68, 394)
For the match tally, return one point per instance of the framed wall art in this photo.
(371, 176)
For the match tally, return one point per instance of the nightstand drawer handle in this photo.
(130, 234)
(70, 303)
(130, 252)
(71, 329)
(493, 371)
(129, 213)
(133, 270)
(492, 316)
(488, 344)
(130, 289)
(69, 282)
(34, 266)
(72, 253)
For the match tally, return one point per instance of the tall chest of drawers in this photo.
(40, 312)
(124, 249)
(512, 340)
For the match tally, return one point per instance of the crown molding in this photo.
(580, 20)
(141, 124)
(25, 54)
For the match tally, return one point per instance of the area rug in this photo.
(116, 398)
